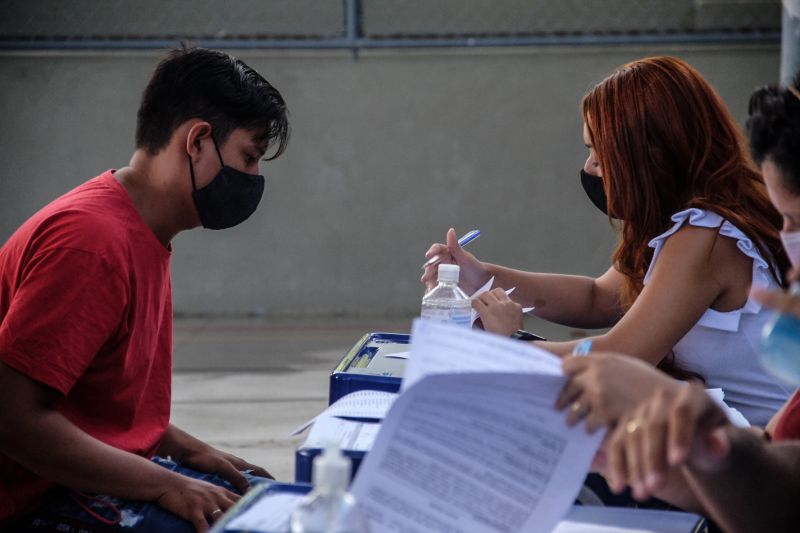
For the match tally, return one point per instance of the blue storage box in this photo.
(304, 457)
(367, 366)
(253, 495)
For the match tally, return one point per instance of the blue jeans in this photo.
(63, 513)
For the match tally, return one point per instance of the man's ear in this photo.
(199, 131)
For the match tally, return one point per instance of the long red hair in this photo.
(665, 142)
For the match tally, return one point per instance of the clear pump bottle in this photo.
(446, 302)
(329, 507)
(780, 345)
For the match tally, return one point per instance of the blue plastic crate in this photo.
(366, 367)
(304, 457)
(252, 496)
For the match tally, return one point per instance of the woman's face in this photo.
(591, 166)
(785, 201)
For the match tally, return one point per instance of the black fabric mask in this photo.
(230, 198)
(593, 185)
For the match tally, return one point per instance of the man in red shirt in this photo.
(86, 310)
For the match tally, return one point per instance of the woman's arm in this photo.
(577, 301)
(695, 269)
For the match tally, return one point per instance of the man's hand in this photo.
(196, 501)
(198, 455)
(225, 465)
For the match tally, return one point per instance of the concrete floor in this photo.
(243, 385)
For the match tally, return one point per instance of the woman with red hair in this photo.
(697, 230)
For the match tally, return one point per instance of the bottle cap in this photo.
(448, 273)
(331, 470)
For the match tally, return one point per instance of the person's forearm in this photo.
(177, 442)
(678, 492)
(756, 489)
(52, 447)
(560, 298)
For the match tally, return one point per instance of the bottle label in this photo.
(450, 316)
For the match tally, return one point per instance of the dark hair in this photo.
(213, 86)
(774, 129)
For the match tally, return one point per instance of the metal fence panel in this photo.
(359, 24)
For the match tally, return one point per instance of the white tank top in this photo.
(723, 347)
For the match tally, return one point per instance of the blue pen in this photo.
(463, 241)
(582, 348)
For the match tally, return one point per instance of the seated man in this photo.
(86, 313)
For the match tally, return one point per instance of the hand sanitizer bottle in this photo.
(329, 507)
(780, 345)
(446, 302)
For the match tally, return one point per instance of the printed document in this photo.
(474, 444)
(437, 349)
(370, 404)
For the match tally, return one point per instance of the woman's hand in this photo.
(498, 313)
(604, 387)
(473, 275)
(670, 429)
(780, 301)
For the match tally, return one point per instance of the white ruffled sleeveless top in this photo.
(723, 347)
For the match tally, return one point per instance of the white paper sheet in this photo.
(360, 404)
(587, 519)
(269, 514)
(488, 286)
(734, 415)
(474, 451)
(437, 348)
(347, 434)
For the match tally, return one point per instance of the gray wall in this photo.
(387, 152)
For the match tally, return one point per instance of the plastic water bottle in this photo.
(329, 507)
(446, 302)
(780, 345)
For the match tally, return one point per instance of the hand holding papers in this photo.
(472, 445)
(487, 286)
(478, 449)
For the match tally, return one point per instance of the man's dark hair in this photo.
(774, 129)
(213, 86)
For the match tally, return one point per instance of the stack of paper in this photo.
(473, 444)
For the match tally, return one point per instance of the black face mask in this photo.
(230, 198)
(593, 185)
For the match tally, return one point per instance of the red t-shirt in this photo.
(788, 427)
(86, 308)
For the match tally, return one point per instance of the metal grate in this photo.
(359, 24)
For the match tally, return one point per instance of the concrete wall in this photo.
(387, 152)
